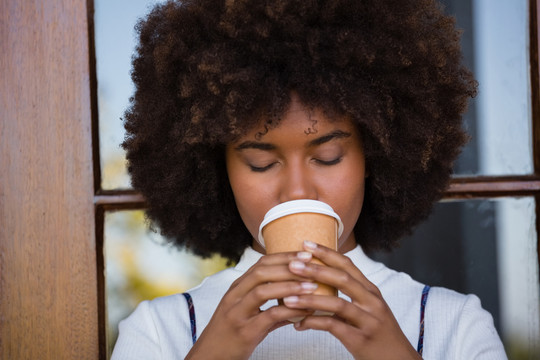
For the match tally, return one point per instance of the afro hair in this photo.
(207, 71)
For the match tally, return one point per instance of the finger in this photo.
(276, 290)
(347, 334)
(269, 268)
(341, 308)
(284, 257)
(335, 260)
(340, 280)
(262, 274)
(276, 317)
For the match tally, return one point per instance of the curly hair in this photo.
(207, 71)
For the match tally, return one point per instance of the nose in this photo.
(297, 183)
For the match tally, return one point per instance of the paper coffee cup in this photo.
(286, 226)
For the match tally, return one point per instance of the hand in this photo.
(238, 325)
(366, 325)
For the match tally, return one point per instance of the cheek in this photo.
(251, 201)
(347, 194)
(350, 205)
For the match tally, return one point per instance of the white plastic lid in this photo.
(295, 207)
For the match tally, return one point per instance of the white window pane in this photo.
(502, 68)
(115, 42)
(495, 44)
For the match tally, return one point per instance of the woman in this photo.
(242, 105)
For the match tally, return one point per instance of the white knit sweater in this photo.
(456, 326)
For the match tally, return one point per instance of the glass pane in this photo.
(139, 266)
(115, 43)
(484, 247)
(499, 118)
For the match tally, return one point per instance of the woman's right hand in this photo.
(238, 325)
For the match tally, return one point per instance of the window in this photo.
(482, 238)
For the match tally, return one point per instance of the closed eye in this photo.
(329, 162)
(260, 168)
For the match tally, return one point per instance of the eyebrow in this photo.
(337, 134)
(255, 145)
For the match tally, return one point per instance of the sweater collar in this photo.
(357, 255)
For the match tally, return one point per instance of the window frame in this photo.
(460, 188)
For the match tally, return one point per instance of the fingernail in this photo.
(304, 255)
(309, 245)
(290, 300)
(297, 265)
(309, 286)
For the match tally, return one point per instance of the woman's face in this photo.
(305, 157)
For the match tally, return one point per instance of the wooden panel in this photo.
(48, 286)
(489, 187)
(460, 188)
(120, 200)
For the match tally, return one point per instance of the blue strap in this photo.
(425, 293)
(420, 348)
(191, 317)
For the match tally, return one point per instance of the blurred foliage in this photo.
(139, 286)
(516, 349)
(114, 172)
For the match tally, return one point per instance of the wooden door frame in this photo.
(48, 269)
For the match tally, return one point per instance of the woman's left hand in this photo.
(365, 325)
